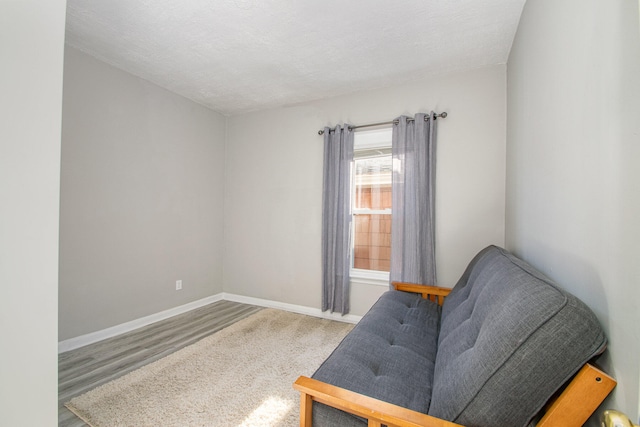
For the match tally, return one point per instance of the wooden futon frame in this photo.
(572, 407)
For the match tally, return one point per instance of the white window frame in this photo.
(371, 139)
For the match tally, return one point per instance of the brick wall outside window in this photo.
(372, 243)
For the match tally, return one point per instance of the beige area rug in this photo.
(239, 376)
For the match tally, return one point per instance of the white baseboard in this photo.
(82, 340)
(300, 309)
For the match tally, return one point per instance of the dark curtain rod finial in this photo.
(394, 122)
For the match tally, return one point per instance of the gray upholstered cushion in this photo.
(389, 355)
(508, 339)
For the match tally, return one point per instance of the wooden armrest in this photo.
(433, 293)
(586, 391)
(376, 411)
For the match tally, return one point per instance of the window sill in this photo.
(369, 277)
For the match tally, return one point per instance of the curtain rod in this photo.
(393, 122)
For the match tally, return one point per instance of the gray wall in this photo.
(274, 182)
(31, 49)
(143, 177)
(142, 192)
(573, 145)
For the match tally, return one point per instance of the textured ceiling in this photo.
(236, 56)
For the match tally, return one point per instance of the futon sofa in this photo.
(492, 351)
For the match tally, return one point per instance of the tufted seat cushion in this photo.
(389, 355)
(504, 341)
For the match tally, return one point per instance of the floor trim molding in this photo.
(90, 338)
(300, 309)
(93, 337)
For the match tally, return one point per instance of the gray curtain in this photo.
(413, 215)
(336, 218)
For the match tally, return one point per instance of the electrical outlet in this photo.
(178, 285)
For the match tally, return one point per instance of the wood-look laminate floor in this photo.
(85, 368)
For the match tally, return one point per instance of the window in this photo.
(371, 206)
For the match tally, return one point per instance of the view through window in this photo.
(371, 198)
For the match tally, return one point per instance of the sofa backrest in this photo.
(509, 338)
